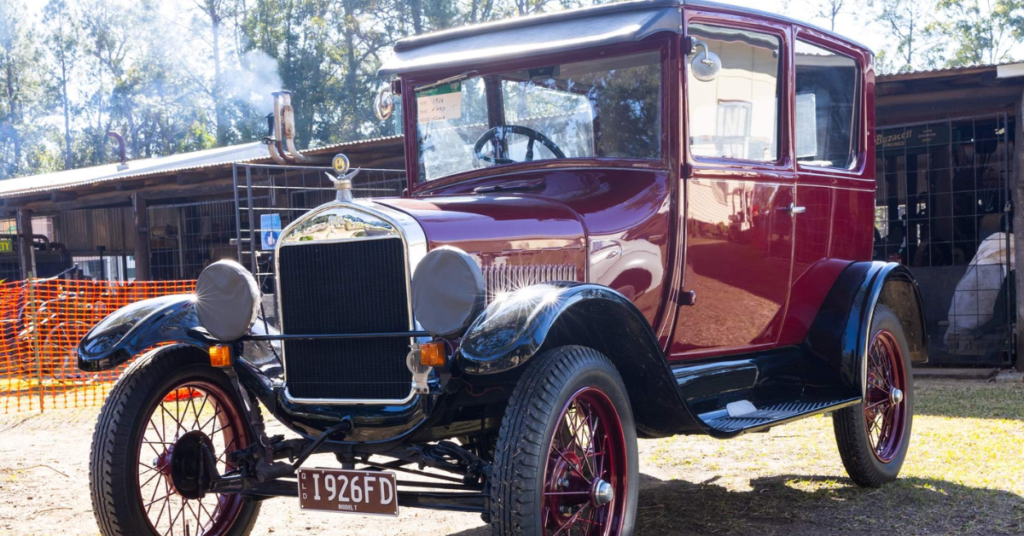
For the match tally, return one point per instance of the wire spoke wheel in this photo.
(585, 475)
(885, 407)
(201, 409)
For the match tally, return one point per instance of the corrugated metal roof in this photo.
(943, 71)
(176, 163)
(136, 168)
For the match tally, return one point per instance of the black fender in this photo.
(840, 333)
(531, 320)
(131, 329)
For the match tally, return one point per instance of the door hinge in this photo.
(688, 297)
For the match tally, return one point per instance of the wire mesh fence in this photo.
(41, 324)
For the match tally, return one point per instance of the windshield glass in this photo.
(609, 107)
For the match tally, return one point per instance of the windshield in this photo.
(609, 107)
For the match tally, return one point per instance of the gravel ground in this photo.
(964, 475)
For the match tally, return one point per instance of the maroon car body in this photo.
(640, 219)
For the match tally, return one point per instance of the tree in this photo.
(906, 22)
(62, 45)
(828, 10)
(20, 133)
(977, 31)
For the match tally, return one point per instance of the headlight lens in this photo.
(227, 300)
(447, 291)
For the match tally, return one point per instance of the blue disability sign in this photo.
(270, 230)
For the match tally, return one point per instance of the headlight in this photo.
(227, 299)
(447, 291)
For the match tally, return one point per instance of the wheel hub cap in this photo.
(603, 493)
(896, 396)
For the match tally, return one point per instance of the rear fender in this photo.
(840, 333)
(131, 329)
(524, 323)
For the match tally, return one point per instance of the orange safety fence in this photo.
(41, 324)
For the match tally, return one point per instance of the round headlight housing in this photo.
(227, 300)
(448, 291)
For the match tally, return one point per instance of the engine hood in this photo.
(502, 230)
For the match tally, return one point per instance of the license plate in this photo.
(349, 492)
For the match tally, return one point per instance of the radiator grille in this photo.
(345, 287)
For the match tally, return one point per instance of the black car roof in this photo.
(552, 32)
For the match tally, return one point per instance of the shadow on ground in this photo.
(794, 505)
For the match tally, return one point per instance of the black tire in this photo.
(862, 460)
(115, 457)
(528, 428)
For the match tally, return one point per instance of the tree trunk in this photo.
(219, 107)
(67, 111)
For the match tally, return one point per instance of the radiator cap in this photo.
(447, 291)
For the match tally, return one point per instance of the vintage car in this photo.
(636, 220)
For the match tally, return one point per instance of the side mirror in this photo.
(705, 65)
(384, 103)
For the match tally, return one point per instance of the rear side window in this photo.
(736, 113)
(826, 111)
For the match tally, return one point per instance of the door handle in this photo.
(793, 209)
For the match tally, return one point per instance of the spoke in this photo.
(201, 408)
(152, 497)
(158, 434)
(148, 481)
(570, 464)
(176, 423)
(569, 522)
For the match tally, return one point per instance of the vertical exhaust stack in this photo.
(281, 139)
(273, 138)
(288, 127)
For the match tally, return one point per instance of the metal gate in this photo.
(269, 197)
(943, 209)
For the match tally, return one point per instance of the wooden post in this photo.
(26, 252)
(1017, 191)
(142, 270)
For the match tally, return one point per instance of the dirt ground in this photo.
(964, 475)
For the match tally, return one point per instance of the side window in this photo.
(826, 110)
(734, 114)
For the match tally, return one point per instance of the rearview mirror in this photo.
(705, 65)
(384, 103)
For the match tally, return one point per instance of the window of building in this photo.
(735, 114)
(826, 111)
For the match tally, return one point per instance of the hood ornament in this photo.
(343, 181)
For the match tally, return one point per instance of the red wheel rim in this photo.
(585, 475)
(186, 407)
(885, 405)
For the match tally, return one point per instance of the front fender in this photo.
(133, 328)
(534, 319)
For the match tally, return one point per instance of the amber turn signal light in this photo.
(433, 354)
(220, 355)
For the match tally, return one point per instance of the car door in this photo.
(739, 188)
(834, 185)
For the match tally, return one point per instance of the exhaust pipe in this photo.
(273, 136)
(288, 128)
(281, 141)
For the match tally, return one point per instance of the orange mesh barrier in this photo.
(41, 323)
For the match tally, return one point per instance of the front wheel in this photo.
(566, 459)
(873, 436)
(164, 410)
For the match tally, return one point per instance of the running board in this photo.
(722, 424)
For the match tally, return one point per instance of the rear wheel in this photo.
(873, 436)
(164, 410)
(566, 459)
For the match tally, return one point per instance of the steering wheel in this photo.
(499, 134)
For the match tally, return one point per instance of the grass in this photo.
(964, 474)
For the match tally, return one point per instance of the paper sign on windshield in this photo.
(441, 103)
